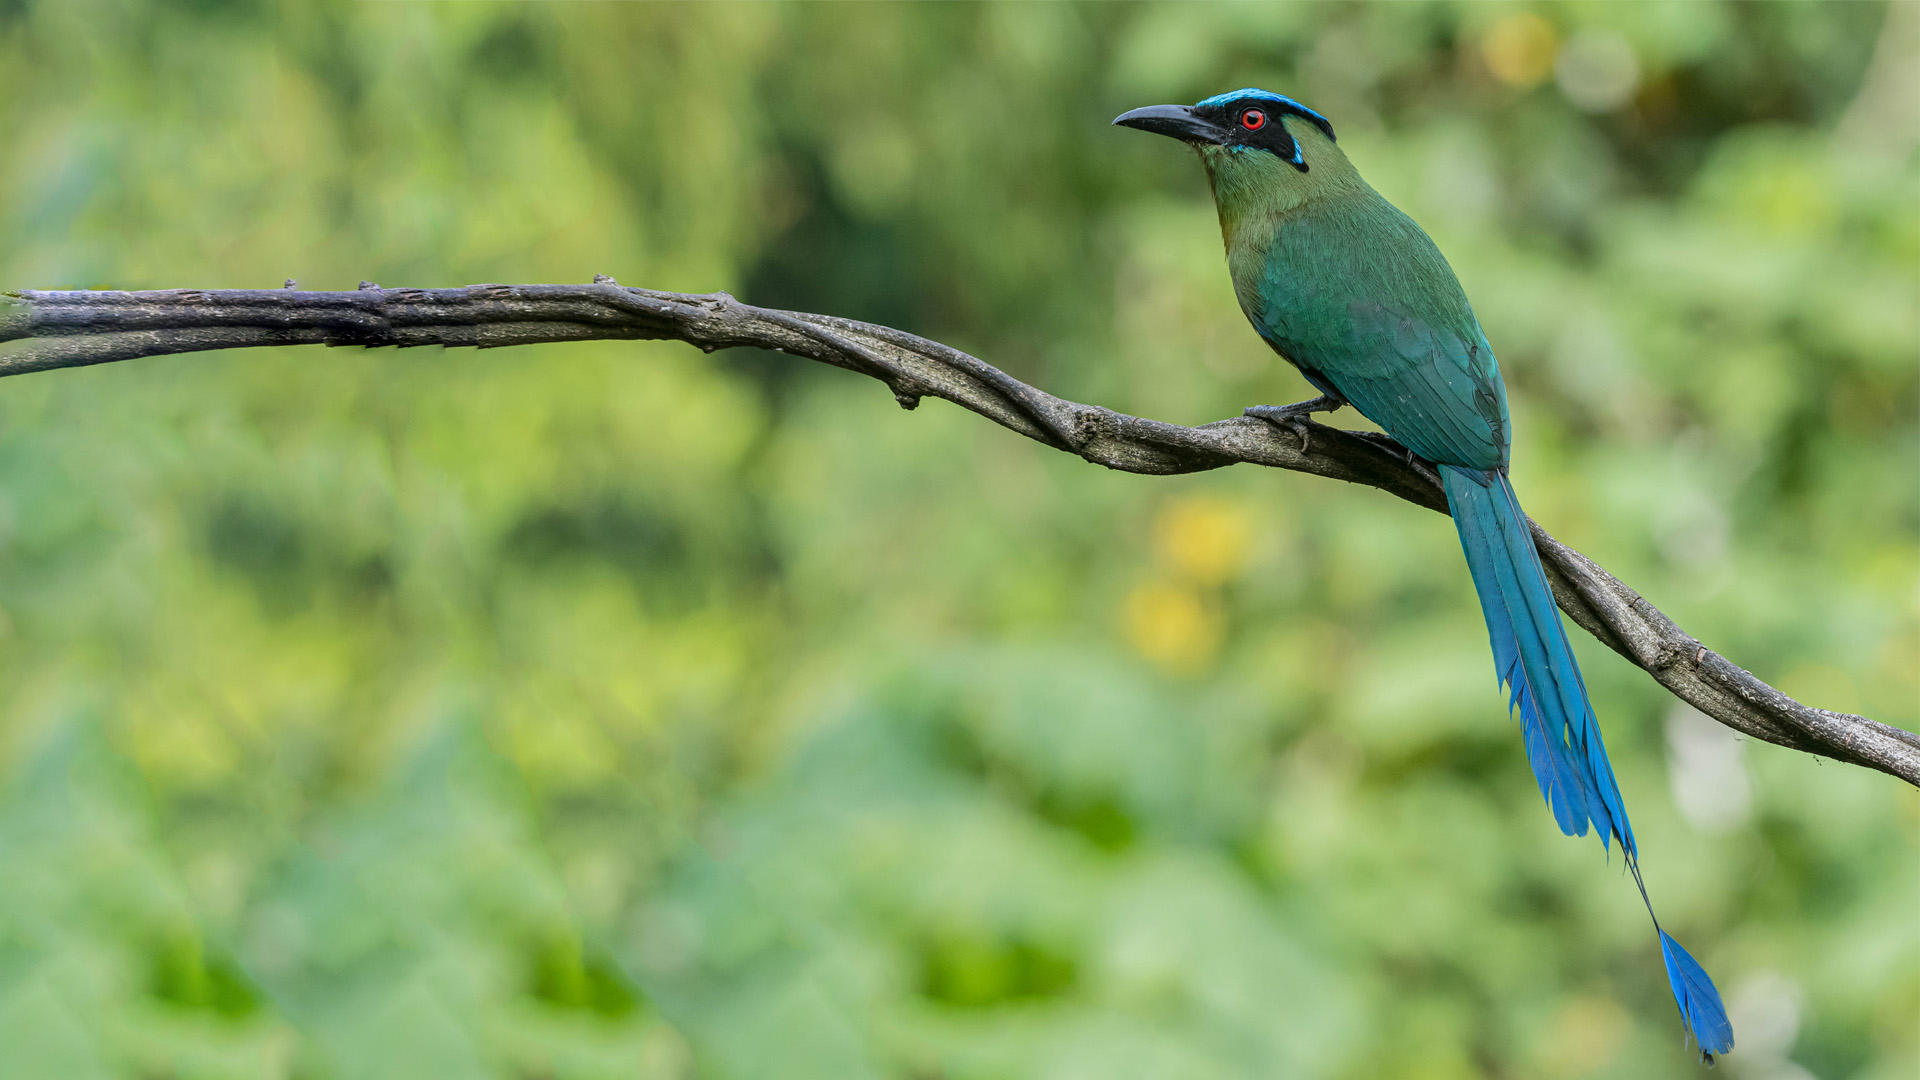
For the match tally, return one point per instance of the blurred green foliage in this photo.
(610, 710)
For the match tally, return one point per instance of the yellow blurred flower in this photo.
(1202, 539)
(1586, 1034)
(1519, 49)
(556, 742)
(1173, 626)
(178, 745)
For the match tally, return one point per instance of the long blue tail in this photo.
(1532, 657)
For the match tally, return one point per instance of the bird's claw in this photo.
(1277, 414)
(1287, 417)
(1294, 417)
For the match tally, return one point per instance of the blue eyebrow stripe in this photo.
(1285, 104)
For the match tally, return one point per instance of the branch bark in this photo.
(74, 329)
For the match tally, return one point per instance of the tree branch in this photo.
(74, 329)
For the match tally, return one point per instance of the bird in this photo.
(1355, 295)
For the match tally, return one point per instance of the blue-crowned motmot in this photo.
(1357, 297)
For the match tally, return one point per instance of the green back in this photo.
(1354, 293)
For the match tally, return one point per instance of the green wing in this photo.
(1359, 299)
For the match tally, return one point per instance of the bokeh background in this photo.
(612, 710)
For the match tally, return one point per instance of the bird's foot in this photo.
(1294, 417)
(1286, 414)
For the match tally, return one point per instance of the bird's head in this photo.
(1259, 148)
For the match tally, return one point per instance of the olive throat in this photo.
(1256, 192)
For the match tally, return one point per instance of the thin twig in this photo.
(74, 329)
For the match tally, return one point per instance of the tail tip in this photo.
(1699, 1001)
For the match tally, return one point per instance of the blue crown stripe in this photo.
(1284, 103)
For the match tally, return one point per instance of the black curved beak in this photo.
(1174, 121)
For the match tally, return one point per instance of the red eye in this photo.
(1253, 119)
